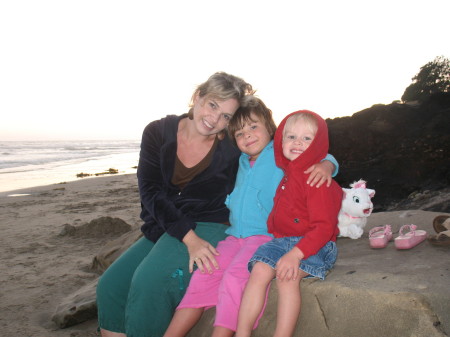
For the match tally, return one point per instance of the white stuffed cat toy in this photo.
(356, 208)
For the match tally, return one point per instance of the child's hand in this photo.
(319, 173)
(287, 266)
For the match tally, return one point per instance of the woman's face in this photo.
(211, 115)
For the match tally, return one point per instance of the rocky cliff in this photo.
(401, 150)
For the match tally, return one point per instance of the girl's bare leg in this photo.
(183, 321)
(253, 298)
(220, 331)
(289, 303)
(106, 333)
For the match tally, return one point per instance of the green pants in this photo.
(137, 295)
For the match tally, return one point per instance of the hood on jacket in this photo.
(313, 154)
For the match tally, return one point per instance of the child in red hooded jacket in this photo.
(303, 222)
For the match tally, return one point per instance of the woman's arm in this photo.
(323, 171)
(158, 205)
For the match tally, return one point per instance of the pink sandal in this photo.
(380, 236)
(409, 239)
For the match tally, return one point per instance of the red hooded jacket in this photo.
(301, 210)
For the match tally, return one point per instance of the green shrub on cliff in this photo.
(432, 78)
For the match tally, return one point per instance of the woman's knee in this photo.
(107, 288)
(102, 287)
(113, 286)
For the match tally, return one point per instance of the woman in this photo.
(187, 167)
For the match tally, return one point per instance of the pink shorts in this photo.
(225, 286)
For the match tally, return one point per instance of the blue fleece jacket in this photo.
(251, 201)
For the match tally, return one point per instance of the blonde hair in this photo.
(309, 120)
(223, 86)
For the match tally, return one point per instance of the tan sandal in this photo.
(441, 223)
(442, 239)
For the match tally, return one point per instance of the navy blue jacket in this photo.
(164, 207)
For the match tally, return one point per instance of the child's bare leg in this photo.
(253, 298)
(183, 321)
(289, 303)
(220, 331)
(106, 333)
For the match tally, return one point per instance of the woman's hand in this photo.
(201, 252)
(287, 268)
(320, 173)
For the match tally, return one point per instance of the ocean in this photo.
(25, 164)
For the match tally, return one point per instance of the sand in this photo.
(39, 267)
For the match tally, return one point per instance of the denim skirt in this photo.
(316, 265)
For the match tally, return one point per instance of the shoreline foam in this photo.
(125, 163)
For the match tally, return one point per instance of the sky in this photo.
(93, 69)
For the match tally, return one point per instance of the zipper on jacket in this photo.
(276, 202)
(283, 186)
(248, 176)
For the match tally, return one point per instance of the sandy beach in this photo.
(40, 266)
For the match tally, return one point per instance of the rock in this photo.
(113, 249)
(97, 228)
(77, 308)
(81, 306)
(67, 230)
(371, 292)
(397, 148)
(435, 201)
(330, 310)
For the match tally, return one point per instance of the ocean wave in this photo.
(21, 155)
(42, 168)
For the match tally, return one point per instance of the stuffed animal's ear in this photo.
(345, 190)
(371, 192)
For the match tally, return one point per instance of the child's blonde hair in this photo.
(309, 120)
